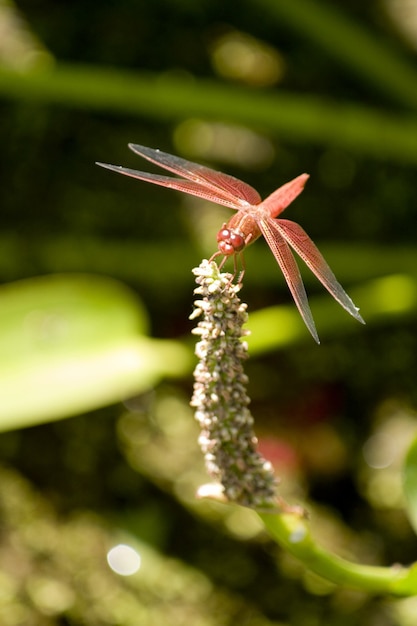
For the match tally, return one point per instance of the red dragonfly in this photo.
(254, 218)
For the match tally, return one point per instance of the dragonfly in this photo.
(254, 217)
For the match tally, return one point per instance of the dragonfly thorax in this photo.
(230, 241)
(241, 230)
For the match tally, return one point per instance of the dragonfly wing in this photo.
(187, 186)
(230, 187)
(312, 257)
(289, 268)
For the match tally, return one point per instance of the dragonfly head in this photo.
(230, 241)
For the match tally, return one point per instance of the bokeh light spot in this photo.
(241, 57)
(123, 560)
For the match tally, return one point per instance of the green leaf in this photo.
(73, 343)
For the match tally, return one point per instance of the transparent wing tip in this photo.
(358, 316)
(109, 167)
(313, 332)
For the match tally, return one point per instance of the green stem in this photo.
(292, 533)
(169, 97)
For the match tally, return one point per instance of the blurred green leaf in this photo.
(410, 483)
(72, 343)
(306, 118)
(379, 300)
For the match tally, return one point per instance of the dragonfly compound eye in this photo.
(230, 241)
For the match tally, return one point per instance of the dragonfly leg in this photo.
(243, 270)
(236, 258)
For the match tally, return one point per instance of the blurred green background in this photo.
(97, 289)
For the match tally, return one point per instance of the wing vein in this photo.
(282, 253)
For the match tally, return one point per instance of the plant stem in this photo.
(292, 533)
